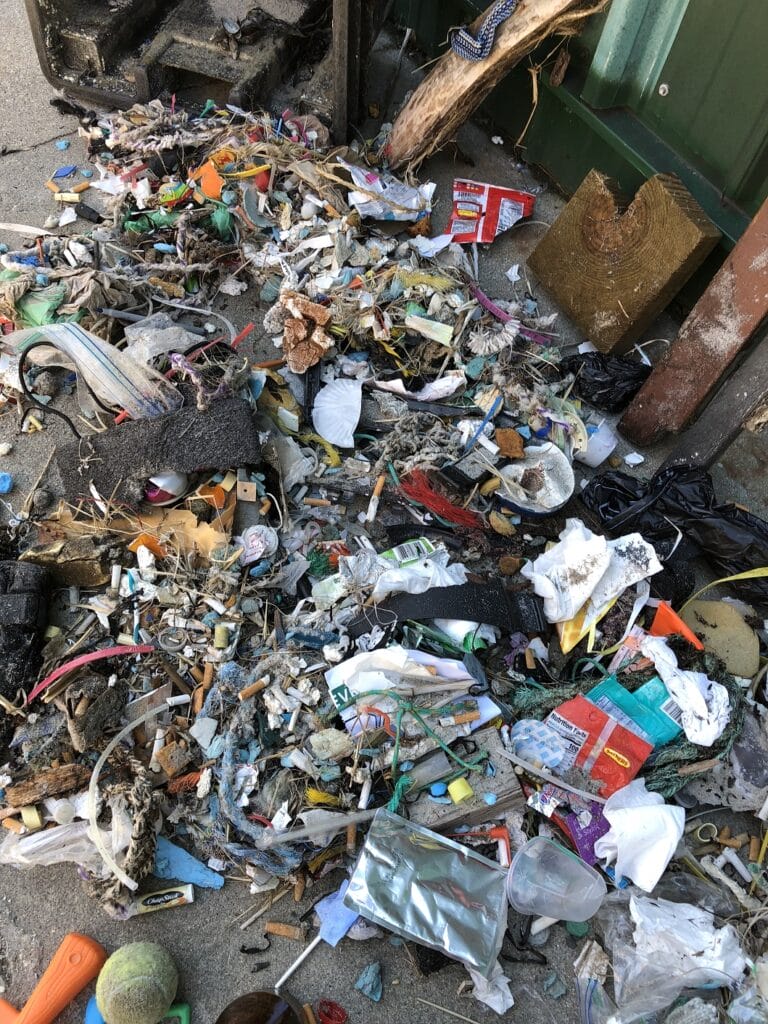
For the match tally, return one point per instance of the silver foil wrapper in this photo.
(431, 890)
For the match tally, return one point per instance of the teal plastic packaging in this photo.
(650, 711)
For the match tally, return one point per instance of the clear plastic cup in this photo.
(547, 880)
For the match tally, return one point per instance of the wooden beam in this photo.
(456, 87)
(340, 70)
(719, 327)
(722, 421)
(613, 265)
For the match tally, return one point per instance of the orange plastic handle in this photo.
(77, 961)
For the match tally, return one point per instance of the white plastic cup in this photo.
(599, 446)
(546, 880)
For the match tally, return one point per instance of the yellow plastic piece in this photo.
(460, 790)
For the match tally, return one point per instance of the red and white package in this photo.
(480, 211)
(597, 744)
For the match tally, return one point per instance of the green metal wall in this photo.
(653, 85)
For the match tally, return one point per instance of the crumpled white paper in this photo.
(584, 567)
(493, 991)
(643, 836)
(704, 703)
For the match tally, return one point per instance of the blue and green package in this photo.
(644, 711)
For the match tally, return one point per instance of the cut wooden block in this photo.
(721, 323)
(456, 87)
(613, 267)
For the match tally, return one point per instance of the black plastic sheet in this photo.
(681, 499)
(607, 382)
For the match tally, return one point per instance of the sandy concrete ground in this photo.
(37, 907)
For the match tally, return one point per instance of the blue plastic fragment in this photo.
(164, 247)
(92, 1015)
(173, 862)
(490, 799)
(42, 280)
(6, 483)
(369, 982)
(438, 789)
(335, 918)
(65, 172)
(87, 172)
(63, 144)
(260, 569)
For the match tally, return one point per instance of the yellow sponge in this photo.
(137, 984)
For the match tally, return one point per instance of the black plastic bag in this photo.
(681, 499)
(607, 382)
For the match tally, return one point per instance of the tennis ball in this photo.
(137, 984)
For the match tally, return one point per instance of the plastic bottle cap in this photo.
(460, 790)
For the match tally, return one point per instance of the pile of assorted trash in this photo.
(349, 606)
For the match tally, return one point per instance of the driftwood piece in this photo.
(612, 265)
(52, 782)
(455, 87)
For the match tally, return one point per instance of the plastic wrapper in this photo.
(428, 889)
(664, 949)
(678, 506)
(113, 377)
(381, 196)
(606, 382)
(597, 744)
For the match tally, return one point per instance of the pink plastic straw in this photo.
(86, 659)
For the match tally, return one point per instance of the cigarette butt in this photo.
(82, 186)
(530, 660)
(465, 717)
(265, 506)
(317, 502)
(31, 818)
(379, 486)
(198, 698)
(351, 839)
(299, 887)
(197, 674)
(736, 842)
(286, 931)
(52, 187)
(754, 849)
(9, 812)
(309, 1014)
(82, 707)
(254, 688)
(208, 675)
(14, 825)
(67, 197)
(723, 834)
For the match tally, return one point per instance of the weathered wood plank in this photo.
(719, 327)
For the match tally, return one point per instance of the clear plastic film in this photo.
(115, 378)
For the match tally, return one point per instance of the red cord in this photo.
(418, 487)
